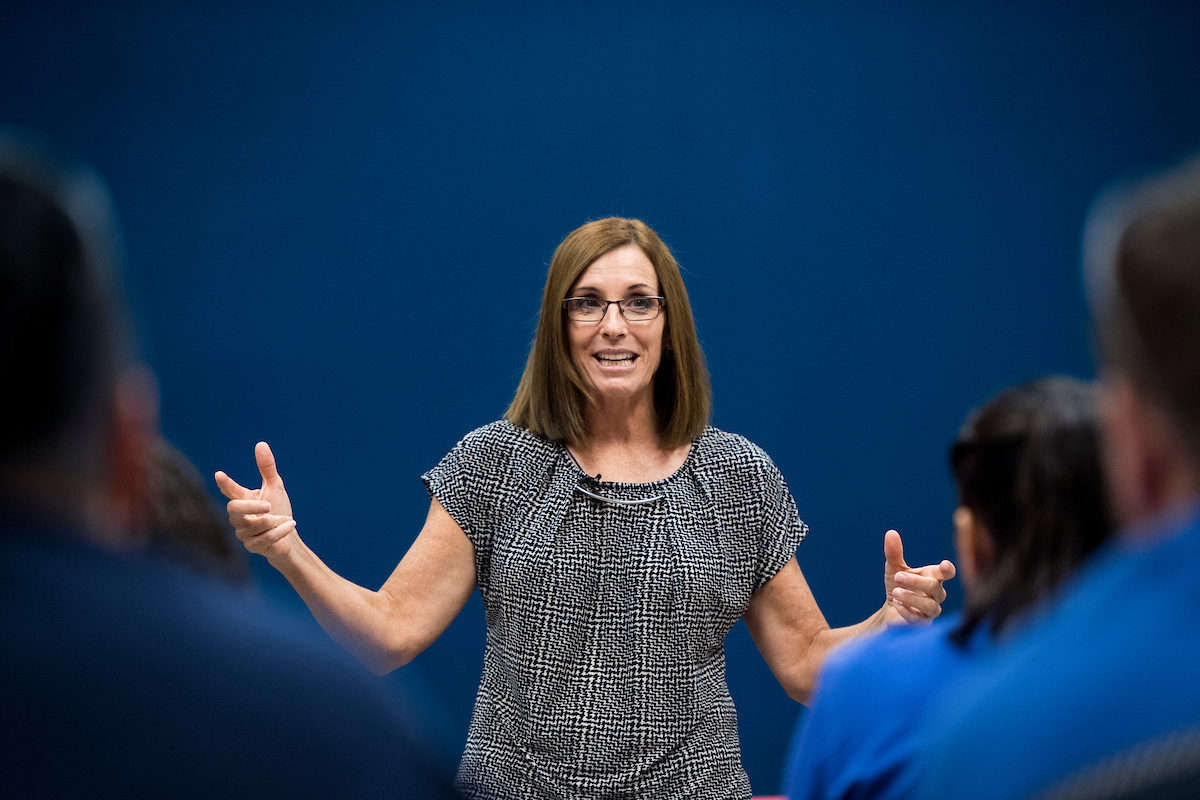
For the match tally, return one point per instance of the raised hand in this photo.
(914, 595)
(261, 518)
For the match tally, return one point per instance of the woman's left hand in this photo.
(915, 596)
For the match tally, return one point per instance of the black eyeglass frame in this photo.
(662, 303)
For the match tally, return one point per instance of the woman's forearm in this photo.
(831, 638)
(360, 620)
(801, 682)
(792, 634)
(388, 628)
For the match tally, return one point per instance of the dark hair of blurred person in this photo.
(1031, 497)
(185, 524)
(1098, 697)
(1031, 509)
(77, 412)
(1142, 252)
(125, 675)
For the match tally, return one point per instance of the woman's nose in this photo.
(612, 323)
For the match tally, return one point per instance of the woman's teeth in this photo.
(615, 361)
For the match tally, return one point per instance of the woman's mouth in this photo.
(615, 359)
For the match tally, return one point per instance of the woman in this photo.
(615, 539)
(1031, 508)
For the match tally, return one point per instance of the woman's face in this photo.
(618, 357)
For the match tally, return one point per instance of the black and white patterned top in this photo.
(604, 668)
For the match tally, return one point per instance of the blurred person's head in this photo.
(185, 523)
(553, 394)
(1142, 262)
(1031, 497)
(78, 411)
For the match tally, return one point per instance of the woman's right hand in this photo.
(261, 518)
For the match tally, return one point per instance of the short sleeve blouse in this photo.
(604, 666)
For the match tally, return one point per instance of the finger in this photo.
(257, 523)
(267, 538)
(920, 582)
(250, 529)
(266, 465)
(277, 532)
(231, 488)
(247, 525)
(893, 551)
(247, 508)
(275, 520)
(943, 571)
(921, 604)
(907, 614)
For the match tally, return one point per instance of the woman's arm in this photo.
(383, 629)
(791, 632)
(793, 636)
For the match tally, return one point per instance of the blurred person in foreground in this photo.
(1099, 697)
(184, 523)
(124, 675)
(1031, 508)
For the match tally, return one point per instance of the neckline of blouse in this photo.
(686, 465)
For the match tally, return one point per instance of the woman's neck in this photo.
(622, 421)
(624, 445)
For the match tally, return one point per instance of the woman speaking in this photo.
(615, 538)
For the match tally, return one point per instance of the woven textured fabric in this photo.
(604, 668)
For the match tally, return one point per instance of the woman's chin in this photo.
(619, 388)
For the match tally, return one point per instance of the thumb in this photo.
(266, 465)
(893, 551)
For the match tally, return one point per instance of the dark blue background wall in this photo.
(338, 223)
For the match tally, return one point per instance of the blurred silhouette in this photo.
(1099, 697)
(125, 675)
(1031, 508)
(185, 523)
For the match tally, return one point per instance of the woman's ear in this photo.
(973, 543)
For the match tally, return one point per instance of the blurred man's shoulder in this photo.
(110, 655)
(1109, 664)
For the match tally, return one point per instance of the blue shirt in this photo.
(1114, 664)
(858, 739)
(127, 677)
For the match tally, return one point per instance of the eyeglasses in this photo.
(633, 309)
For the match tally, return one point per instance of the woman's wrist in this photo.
(289, 562)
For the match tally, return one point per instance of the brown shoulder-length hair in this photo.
(553, 394)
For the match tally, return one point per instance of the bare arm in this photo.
(793, 636)
(383, 629)
(791, 632)
(388, 628)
